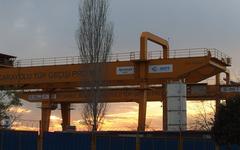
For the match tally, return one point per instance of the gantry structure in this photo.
(128, 77)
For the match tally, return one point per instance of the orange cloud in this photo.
(19, 110)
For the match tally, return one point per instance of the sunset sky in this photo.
(46, 28)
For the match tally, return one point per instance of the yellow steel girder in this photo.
(194, 92)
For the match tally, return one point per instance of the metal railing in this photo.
(72, 60)
(191, 52)
(195, 52)
(215, 53)
(126, 56)
(179, 53)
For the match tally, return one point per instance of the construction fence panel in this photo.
(18, 140)
(233, 147)
(158, 143)
(66, 141)
(198, 144)
(112, 142)
(130, 141)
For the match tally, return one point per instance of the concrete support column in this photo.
(46, 112)
(66, 114)
(142, 112)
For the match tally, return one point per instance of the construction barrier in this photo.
(26, 140)
(66, 141)
(131, 141)
(18, 140)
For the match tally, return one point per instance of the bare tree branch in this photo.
(204, 119)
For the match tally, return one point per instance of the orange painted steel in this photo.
(58, 81)
(46, 113)
(65, 110)
(192, 70)
(194, 92)
(147, 36)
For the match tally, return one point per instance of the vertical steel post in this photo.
(45, 121)
(94, 141)
(46, 112)
(145, 36)
(217, 101)
(66, 115)
(143, 85)
(2, 140)
(227, 78)
(142, 112)
(165, 110)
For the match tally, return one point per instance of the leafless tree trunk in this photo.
(94, 40)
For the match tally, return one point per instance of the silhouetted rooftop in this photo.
(6, 56)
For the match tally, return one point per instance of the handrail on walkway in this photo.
(126, 56)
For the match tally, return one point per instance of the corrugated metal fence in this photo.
(18, 140)
(66, 141)
(131, 140)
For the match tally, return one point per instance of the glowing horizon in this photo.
(125, 120)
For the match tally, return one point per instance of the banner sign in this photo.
(197, 89)
(160, 68)
(230, 89)
(41, 96)
(125, 70)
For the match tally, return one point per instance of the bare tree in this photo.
(94, 39)
(204, 118)
(8, 101)
(88, 115)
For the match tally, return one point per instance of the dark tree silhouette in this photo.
(226, 127)
(204, 118)
(8, 100)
